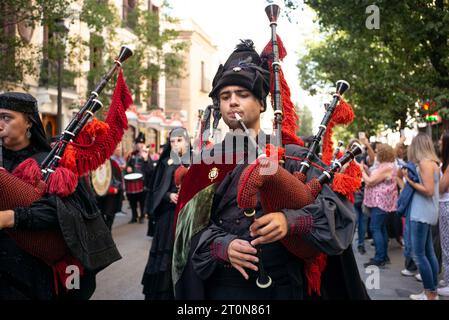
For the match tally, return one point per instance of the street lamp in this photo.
(60, 33)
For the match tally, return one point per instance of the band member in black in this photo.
(110, 203)
(137, 167)
(161, 203)
(24, 274)
(215, 251)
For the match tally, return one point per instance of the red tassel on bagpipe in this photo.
(290, 118)
(98, 140)
(348, 181)
(69, 159)
(28, 171)
(314, 267)
(343, 115)
(62, 182)
(271, 150)
(96, 128)
(180, 173)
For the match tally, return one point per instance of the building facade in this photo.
(81, 56)
(190, 93)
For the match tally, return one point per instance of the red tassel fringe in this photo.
(344, 115)
(290, 118)
(96, 128)
(98, 140)
(62, 182)
(313, 269)
(29, 171)
(271, 150)
(348, 181)
(69, 159)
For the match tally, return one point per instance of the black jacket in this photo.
(22, 276)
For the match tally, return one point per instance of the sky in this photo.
(227, 21)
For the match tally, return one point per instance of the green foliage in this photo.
(305, 122)
(342, 133)
(13, 70)
(380, 89)
(18, 57)
(97, 67)
(158, 52)
(99, 14)
(392, 69)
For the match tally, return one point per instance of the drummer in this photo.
(138, 166)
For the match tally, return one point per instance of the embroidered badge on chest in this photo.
(213, 174)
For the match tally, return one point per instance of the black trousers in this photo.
(134, 200)
(108, 207)
(227, 283)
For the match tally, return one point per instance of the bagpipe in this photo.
(197, 140)
(337, 150)
(203, 136)
(83, 146)
(266, 179)
(206, 134)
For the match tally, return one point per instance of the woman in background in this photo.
(381, 195)
(444, 213)
(424, 213)
(161, 204)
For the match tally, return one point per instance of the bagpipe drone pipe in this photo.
(82, 147)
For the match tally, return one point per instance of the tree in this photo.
(17, 55)
(305, 122)
(380, 91)
(392, 69)
(158, 52)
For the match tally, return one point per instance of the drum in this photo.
(133, 183)
(101, 179)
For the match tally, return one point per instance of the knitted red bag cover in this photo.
(49, 245)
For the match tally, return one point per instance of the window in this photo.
(7, 38)
(96, 45)
(53, 50)
(49, 123)
(155, 11)
(153, 8)
(203, 78)
(129, 13)
(154, 103)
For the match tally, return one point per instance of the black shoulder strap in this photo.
(39, 157)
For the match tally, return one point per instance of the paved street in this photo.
(121, 280)
(392, 285)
